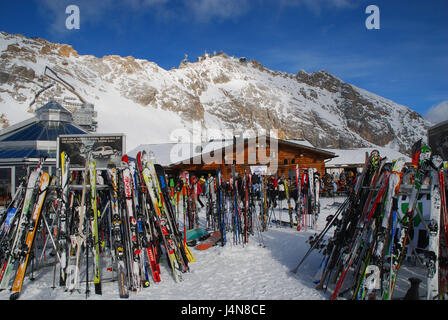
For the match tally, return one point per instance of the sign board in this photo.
(259, 170)
(103, 148)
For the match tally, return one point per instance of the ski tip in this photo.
(14, 296)
(319, 286)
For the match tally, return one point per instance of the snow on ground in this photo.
(248, 272)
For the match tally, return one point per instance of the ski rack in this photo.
(77, 187)
(406, 189)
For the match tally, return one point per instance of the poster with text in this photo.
(103, 148)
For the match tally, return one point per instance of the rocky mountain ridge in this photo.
(217, 91)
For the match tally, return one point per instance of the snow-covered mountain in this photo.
(150, 104)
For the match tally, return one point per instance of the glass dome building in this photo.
(22, 144)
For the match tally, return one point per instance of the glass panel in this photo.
(252, 157)
(5, 185)
(20, 175)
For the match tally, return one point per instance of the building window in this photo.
(285, 161)
(293, 160)
(252, 157)
(20, 175)
(5, 185)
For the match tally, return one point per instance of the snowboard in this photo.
(283, 223)
(210, 241)
(193, 234)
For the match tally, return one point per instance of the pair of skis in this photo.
(25, 231)
(165, 224)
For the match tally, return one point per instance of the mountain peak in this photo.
(217, 91)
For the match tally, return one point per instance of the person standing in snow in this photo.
(199, 190)
(281, 189)
(272, 191)
(335, 188)
(293, 194)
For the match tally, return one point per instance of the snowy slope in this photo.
(148, 103)
(230, 272)
(233, 272)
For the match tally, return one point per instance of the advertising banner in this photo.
(103, 148)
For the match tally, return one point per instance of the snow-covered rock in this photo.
(149, 103)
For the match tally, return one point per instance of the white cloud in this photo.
(205, 10)
(90, 12)
(94, 12)
(316, 6)
(141, 4)
(437, 113)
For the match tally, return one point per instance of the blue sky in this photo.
(406, 60)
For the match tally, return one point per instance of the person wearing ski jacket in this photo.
(272, 192)
(200, 191)
(305, 184)
(198, 188)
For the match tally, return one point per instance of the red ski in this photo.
(210, 241)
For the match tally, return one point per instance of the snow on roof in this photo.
(162, 151)
(357, 156)
(173, 152)
(52, 105)
(302, 142)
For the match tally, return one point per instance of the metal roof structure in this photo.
(43, 131)
(29, 139)
(24, 153)
(52, 105)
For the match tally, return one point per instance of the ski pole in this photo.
(323, 232)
